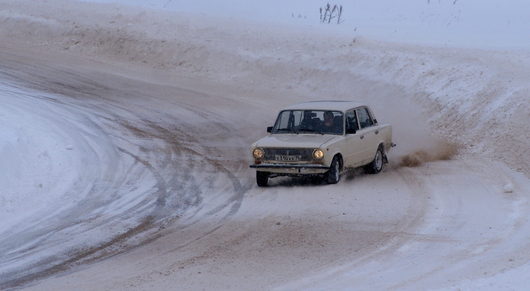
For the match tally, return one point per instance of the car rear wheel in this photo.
(376, 165)
(333, 175)
(262, 178)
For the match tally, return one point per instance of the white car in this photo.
(321, 139)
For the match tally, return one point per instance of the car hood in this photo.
(294, 140)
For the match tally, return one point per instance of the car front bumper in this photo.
(292, 169)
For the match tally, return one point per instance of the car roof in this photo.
(325, 105)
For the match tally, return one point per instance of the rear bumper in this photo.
(294, 169)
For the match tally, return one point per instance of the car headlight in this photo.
(318, 154)
(258, 153)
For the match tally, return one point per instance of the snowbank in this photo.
(470, 23)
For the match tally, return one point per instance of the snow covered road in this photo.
(124, 150)
(87, 179)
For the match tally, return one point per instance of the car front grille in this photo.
(288, 155)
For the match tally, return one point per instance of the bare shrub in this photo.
(330, 12)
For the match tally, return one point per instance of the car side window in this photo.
(351, 122)
(364, 117)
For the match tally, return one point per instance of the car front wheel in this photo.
(333, 175)
(262, 178)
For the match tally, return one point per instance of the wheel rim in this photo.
(378, 160)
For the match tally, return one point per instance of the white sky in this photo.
(468, 23)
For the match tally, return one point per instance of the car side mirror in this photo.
(350, 131)
(269, 129)
(375, 121)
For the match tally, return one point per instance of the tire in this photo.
(333, 175)
(377, 164)
(262, 178)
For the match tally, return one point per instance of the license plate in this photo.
(290, 158)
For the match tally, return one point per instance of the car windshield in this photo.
(309, 121)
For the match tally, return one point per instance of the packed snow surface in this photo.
(124, 136)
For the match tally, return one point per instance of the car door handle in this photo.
(362, 136)
(377, 132)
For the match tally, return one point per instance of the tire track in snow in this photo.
(175, 192)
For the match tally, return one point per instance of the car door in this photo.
(353, 150)
(368, 131)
